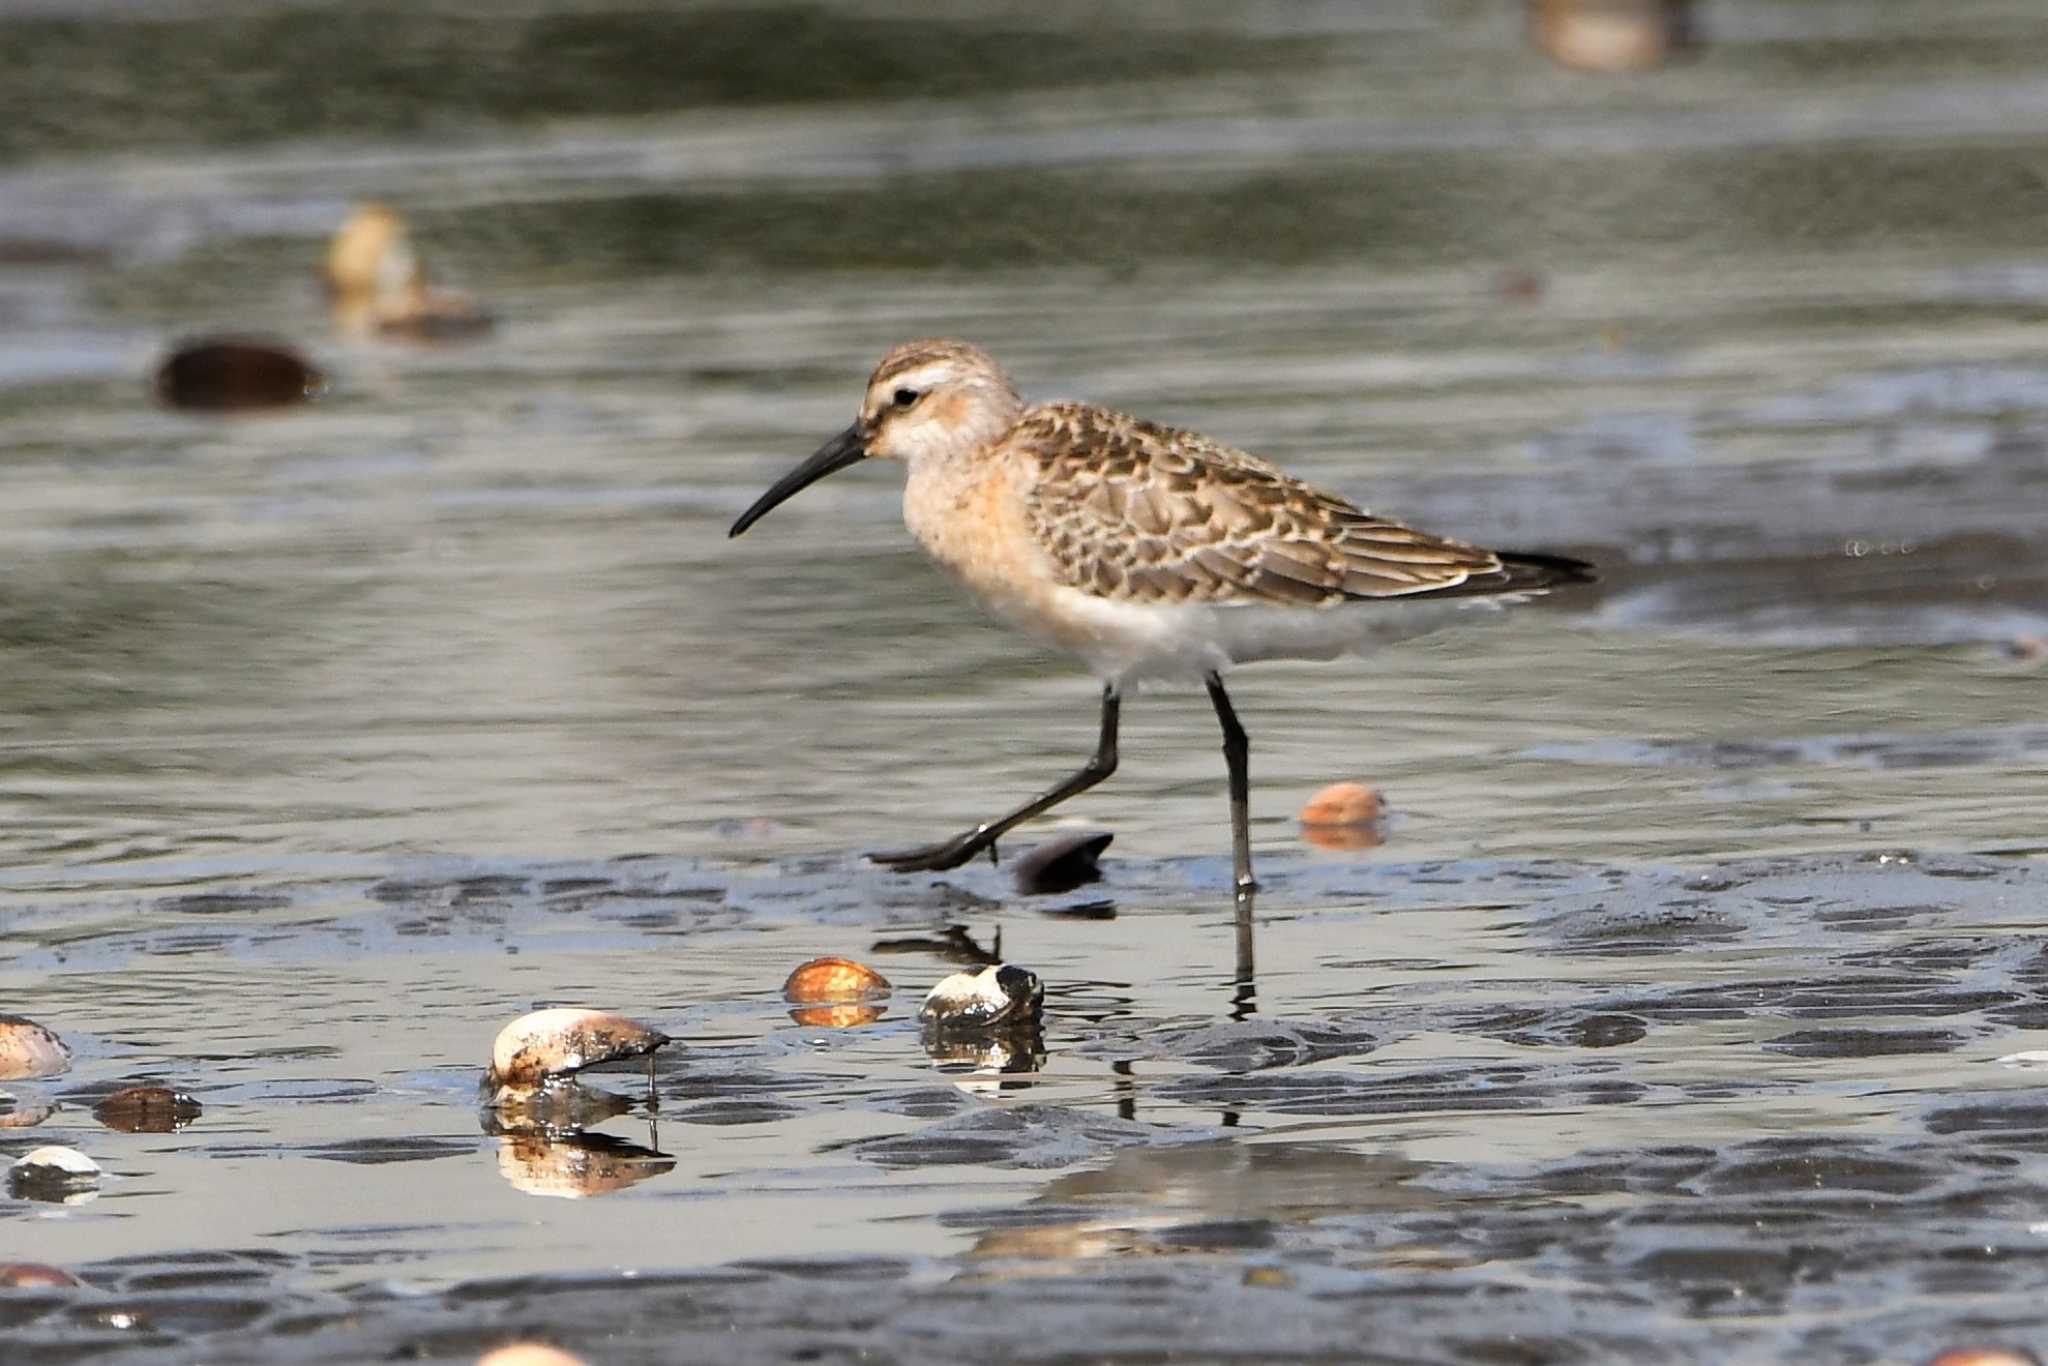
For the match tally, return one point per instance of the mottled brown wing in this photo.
(1142, 513)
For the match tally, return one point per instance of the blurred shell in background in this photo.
(236, 375)
(379, 287)
(1613, 35)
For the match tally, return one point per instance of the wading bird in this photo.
(1149, 552)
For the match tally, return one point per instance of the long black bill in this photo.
(847, 448)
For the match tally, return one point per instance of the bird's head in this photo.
(927, 400)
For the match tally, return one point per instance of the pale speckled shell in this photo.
(553, 1043)
(28, 1049)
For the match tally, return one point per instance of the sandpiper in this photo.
(1149, 552)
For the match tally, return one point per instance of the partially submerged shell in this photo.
(54, 1173)
(27, 1049)
(549, 1044)
(34, 1276)
(1061, 865)
(998, 994)
(834, 979)
(147, 1110)
(1343, 817)
(1342, 804)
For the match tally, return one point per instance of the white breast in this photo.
(1131, 642)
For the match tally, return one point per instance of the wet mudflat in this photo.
(1680, 1011)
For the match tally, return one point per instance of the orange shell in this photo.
(1342, 804)
(528, 1354)
(834, 979)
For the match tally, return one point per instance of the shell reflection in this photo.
(28, 1049)
(845, 1016)
(1015, 1050)
(564, 1108)
(576, 1166)
(16, 1115)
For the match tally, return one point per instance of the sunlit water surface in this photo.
(1662, 1023)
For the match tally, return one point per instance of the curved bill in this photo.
(847, 448)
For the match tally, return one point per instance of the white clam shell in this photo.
(56, 1158)
(997, 994)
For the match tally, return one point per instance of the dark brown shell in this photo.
(147, 1110)
(236, 375)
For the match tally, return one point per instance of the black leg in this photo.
(965, 845)
(1236, 753)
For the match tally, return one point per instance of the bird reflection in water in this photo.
(1195, 1200)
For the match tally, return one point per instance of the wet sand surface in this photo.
(1690, 1004)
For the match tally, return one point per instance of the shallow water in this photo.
(1667, 1020)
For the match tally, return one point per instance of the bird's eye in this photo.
(907, 397)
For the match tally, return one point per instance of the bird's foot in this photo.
(936, 858)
